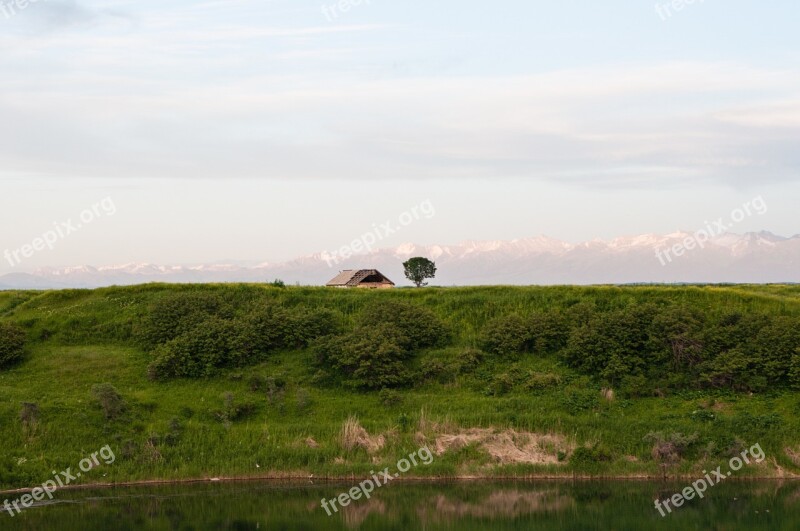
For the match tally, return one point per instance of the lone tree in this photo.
(418, 269)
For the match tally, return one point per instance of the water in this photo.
(607, 505)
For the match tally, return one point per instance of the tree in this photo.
(418, 269)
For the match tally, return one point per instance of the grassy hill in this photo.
(496, 381)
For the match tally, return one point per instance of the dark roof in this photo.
(354, 277)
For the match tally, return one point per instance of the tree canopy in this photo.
(418, 269)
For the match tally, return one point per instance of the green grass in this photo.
(80, 338)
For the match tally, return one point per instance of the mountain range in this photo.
(756, 257)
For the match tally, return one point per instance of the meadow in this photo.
(487, 404)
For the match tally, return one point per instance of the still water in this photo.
(609, 505)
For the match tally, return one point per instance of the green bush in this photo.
(270, 328)
(178, 314)
(589, 457)
(507, 336)
(542, 381)
(419, 327)
(390, 398)
(794, 370)
(12, 344)
(468, 360)
(198, 353)
(368, 357)
(542, 333)
(549, 332)
(209, 343)
(584, 400)
(616, 344)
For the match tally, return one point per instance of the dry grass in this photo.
(355, 436)
(507, 446)
(793, 454)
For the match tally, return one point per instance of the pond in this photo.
(475, 505)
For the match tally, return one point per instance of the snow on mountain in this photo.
(752, 257)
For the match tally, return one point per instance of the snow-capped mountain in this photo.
(672, 258)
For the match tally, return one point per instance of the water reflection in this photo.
(467, 505)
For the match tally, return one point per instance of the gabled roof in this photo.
(354, 277)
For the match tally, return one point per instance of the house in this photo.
(361, 278)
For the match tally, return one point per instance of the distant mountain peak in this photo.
(751, 257)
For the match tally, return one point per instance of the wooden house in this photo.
(361, 278)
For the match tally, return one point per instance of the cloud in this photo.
(622, 126)
(47, 16)
(771, 115)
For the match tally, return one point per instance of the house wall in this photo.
(375, 285)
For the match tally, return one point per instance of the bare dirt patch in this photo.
(506, 446)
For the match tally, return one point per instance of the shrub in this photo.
(468, 360)
(703, 415)
(109, 400)
(419, 327)
(12, 344)
(583, 400)
(794, 370)
(179, 314)
(670, 449)
(541, 381)
(506, 336)
(542, 333)
(369, 358)
(614, 344)
(272, 328)
(636, 386)
(306, 326)
(676, 332)
(735, 369)
(775, 347)
(755, 426)
(198, 353)
(548, 332)
(589, 457)
(390, 397)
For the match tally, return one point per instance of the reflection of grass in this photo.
(462, 505)
(84, 338)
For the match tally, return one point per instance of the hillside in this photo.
(254, 380)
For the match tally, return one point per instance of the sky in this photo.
(260, 131)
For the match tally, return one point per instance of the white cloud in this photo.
(191, 103)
